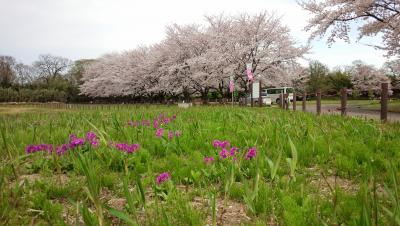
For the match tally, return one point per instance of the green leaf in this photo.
(128, 195)
(165, 217)
(101, 133)
(294, 152)
(274, 166)
(195, 175)
(141, 190)
(88, 217)
(123, 216)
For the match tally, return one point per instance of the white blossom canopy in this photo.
(372, 17)
(196, 59)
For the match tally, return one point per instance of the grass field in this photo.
(394, 106)
(159, 165)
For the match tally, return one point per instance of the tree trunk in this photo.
(204, 96)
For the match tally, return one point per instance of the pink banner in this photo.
(231, 86)
(249, 75)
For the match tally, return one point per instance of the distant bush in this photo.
(32, 95)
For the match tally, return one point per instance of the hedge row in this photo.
(32, 95)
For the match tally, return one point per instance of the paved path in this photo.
(354, 111)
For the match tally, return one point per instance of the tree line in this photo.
(53, 78)
(361, 79)
(50, 78)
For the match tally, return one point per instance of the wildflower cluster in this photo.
(144, 122)
(226, 151)
(221, 144)
(161, 120)
(74, 142)
(158, 121)
(251, 153)
(159, 132)
(127, 148)
(208, 160)
(60, 150)
(171, 134)
(40, 147)
(92, 139)
(163, 177)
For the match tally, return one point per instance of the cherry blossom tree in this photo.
(185, 45)
(106, 77)
(265, 43)
(366, 78)
(372, 17)
(195, 59)
(300, 78)
(392, 69)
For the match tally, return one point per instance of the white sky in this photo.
(79, 29)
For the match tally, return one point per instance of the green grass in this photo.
(394, 106)
(308, 170)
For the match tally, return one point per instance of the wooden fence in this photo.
(343, 102)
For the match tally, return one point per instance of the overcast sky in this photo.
(79, 29)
